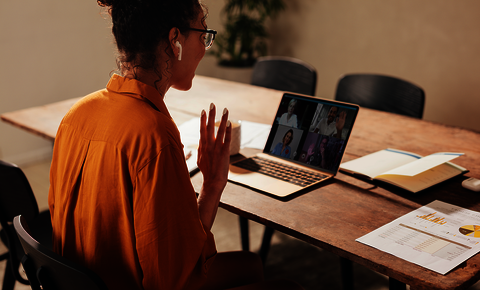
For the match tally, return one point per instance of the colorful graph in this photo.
(471, 231)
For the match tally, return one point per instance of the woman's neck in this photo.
(159, 81)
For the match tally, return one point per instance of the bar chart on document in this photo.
(438, 236)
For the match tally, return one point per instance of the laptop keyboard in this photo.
(281, 171)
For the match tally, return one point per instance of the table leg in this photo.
(265, 247)
(346, 267)
(396, 285)
(244, 234)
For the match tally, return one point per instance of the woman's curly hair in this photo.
(139, 26)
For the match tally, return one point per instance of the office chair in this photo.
(47, 270)
(283, 74)
(16, 197)
(384, 93)
(381, 92)
(293, 75)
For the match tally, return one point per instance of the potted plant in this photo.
(244, 36)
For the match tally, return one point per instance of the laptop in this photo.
(304, 146)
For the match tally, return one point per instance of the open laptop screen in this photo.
(311, 131)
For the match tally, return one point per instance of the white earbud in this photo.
(179, 46)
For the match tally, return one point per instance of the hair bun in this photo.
(105, 3)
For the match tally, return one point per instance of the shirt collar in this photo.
(124, 85)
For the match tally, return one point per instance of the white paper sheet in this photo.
(254, 135)
(423, 164)
(438, 236)
(190, 134)
(379, 162)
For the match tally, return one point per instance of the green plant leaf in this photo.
(243, 39)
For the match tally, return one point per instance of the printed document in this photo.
(438, 236)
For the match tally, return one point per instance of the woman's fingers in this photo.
(203, 125)
(208, 141)
(203, 133)
(221, 129)
(211, 123)
(228, 136)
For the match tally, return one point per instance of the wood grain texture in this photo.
(333, 215)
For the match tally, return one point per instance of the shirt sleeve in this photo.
(174, 249)
(319, 125)
(333, 128)
(278, 149)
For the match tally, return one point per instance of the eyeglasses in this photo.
(209, 36)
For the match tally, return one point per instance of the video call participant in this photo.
(319, 156)
(282, 149)
(120, 199)
(328, 126)
(289, 119)
(310, 152)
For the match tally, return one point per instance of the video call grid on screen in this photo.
(308, 127)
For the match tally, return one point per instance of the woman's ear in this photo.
(175, 41)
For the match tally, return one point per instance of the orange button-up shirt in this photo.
(120, 198)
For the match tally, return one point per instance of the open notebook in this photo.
(305, 146)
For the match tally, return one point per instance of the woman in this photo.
(289, 118)
(120, 199)
(318, 158)
(282, 149)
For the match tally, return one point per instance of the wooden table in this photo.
(333, 215)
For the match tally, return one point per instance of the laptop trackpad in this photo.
(262, 182)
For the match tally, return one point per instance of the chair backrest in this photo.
(16, 195)
(47, 270)
(285, 74)
(381, 92)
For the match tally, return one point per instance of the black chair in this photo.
(283, 74)
(49, 271)
(381, 92)
(16, 197)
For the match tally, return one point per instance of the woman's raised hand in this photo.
(214, 152)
